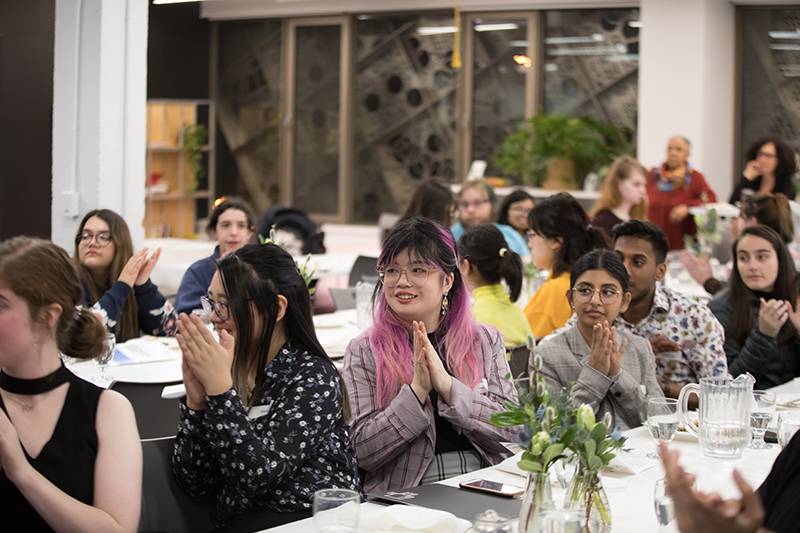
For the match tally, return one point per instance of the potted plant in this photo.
(557, 151)
(195, 137)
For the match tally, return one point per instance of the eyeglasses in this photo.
(584, 294)
(221, 309)
(102, 238)
(766, 154)
(476, 204)
(416, 275)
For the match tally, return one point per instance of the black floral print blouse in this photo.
(293, 442)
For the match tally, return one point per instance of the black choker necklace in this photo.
(34, 386)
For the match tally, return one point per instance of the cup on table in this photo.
(336, 510)
(763, 409)
(788, 425)
(662, 502)
(662, 420)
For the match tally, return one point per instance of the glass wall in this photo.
(404, 109)
(770, 85)
(248, 96)
(592, 65)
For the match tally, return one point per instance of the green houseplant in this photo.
(195, 137)
(555, 150)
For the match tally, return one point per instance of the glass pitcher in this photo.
(723, 421)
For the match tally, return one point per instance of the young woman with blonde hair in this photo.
(623, 196)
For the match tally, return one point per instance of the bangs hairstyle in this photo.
(601, 260)
(253, 277)
(128, 321)
(42, 273)
(230, 202)
(517, 195)
(771, 210)
(741, 297)
(610, 197)
(560, 217)
(389, 336)
(787, 165)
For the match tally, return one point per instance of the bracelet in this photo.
(415, 395)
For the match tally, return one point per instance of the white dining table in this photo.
(631, 496)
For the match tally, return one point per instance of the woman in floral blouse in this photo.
(425, 378)
(263, 426)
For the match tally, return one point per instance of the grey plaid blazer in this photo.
(565, 356)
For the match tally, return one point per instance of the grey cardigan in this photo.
(565, 356)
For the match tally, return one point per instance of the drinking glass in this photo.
(565, 470)
(788, 425)
(336, 510)
(662, 502)
(662, 420)
(760, 416)
(558, 520)
(107, 354)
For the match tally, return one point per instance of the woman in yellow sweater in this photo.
(486, 260)
(559, 234)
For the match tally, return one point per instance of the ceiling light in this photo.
(435, 30)
(779, 34)
(786, 47)
(174, 1)
(496, 27)
(580, 39)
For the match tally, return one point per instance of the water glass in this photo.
(761, 415)
(491, 522)
(107, 354)
(662, 502)
(336, 510)
(662, 420)
(788, 425)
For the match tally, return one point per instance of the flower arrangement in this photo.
(306, 272)
(709, 233)
(556, 427)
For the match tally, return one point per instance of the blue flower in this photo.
(524, 435)
(616, 434)
(540, 412)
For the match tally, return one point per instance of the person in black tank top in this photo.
(61, 437)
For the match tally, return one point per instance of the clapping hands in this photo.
(606, 356)
(206, 361)
(429, 371)
(138, 268)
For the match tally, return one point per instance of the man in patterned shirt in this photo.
(686, 338)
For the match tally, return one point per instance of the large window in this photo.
(770, 86)
(592, 65)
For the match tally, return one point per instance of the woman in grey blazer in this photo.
(613, 370)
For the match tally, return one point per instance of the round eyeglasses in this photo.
(584, 295)
(415, 275)
(221, 309)
(102, 238)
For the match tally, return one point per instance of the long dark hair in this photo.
(432, 199)
(486, 249)
(128, 321)
(601, 260)
(517, 195)
(787, 166)
(253, 277)
(42, 273)
(561, 217)
(741, 297)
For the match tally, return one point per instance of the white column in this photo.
(99, 113)
(687, 84)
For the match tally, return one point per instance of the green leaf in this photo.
(552, 451)
(607, 457)
(568, 436)
(530, 466)
(590, 446)
(508, 418)
(599, 432)
(595, 463)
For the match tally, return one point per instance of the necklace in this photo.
(29, 387)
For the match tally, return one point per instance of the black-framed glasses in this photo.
(416, 275)
(102, 238)
(221, 309)
(584, 294)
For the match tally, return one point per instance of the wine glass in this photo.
(788, 425)
(662, 420)
(662, 502)
(761, 413)
(336, 510)
(106, 355)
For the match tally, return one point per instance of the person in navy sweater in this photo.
(116, 282)
(231, 223)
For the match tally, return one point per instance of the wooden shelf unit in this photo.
(172, 194)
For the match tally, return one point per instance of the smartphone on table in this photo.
(493, 487)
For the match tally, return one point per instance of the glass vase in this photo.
(538, 497)
(586, 492)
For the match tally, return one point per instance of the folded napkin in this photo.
(630, 463)
(396, 518)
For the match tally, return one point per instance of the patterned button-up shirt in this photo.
(690, 324)
(293, 442)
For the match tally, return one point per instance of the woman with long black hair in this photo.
(264, 422)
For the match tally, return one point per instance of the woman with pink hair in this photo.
(425, 378)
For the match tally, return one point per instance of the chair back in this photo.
(343, 298)
(518, 362)
(155, 416)
(363, 270)
(165, 506)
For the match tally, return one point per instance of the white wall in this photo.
(99, 112)
(687, 84)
